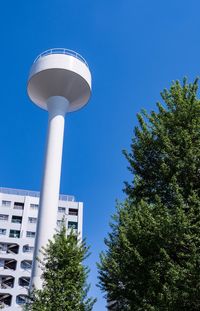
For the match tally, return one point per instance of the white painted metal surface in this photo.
(57, 107)
(60, 82)
(59, 75)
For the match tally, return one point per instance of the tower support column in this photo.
(47, 216)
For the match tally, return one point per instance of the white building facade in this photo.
(18, 219)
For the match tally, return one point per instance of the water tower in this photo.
(59, 82)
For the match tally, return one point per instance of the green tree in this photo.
(152, 261)
(64, 276)
(165, 150)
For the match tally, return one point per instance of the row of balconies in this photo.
(13, 248)
(4, 218)
(18, 219)
(13, 233)
(11, 264)
(17, 205)
(6, 248)
(20, 206)
(6, 300)
(8, 282)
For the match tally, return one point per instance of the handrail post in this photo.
(62, 51)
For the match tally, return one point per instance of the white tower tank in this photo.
(59, 82)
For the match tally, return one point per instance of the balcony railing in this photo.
(19, 207)
(36, 194)
(17, 221)
(61, 51)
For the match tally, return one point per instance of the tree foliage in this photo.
(152, 261)
(64, 276)
(165, 150)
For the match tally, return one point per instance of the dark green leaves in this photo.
(152, 261)
(64, 276)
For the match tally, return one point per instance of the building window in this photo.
(17, 219)
(6, 300)
(26, 264)
(32, 220)
(12, 248)
(73, 211)
(6, 203)
(24, 281)
(61, 209)
(21, 299)
(28, 249)
(14, 234)
(34, 206)
(3, 217)
(72, 225)
(2, 231)
(30, 234)
(7, 282)
(18, 205)
(9, 248)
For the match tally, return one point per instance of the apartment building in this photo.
(18, 219)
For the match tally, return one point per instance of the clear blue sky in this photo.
(134, 48)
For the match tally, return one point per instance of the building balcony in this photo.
(18, 205)
(12, 248)
(8, 264)
(5, 300)
(73, 211)
(24, 282)
(26, 265)
(16, 219)
(21, 299)
(6, 281)
(14, 233)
